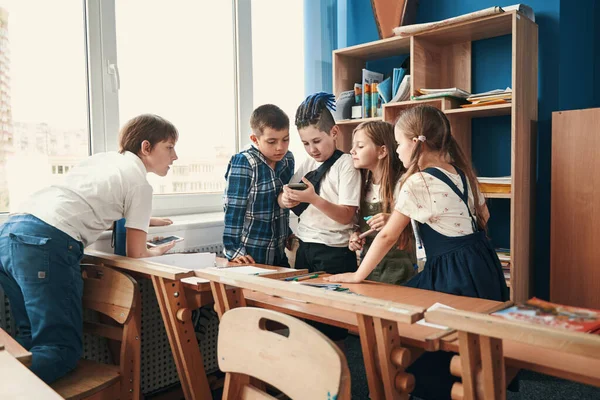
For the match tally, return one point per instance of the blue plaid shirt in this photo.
(255, 225)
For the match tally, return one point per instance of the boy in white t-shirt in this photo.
(327, 208)
(42, 245)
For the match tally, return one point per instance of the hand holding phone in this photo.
(164, 240)
(297, 186)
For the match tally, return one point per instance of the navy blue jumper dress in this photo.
(462, 265)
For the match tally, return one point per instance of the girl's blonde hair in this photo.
(428, 121)
(382, 134)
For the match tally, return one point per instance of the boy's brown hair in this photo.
(268, 116)
(148, 127)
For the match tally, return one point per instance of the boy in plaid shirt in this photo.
(256, 227)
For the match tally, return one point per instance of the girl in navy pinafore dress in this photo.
(439, 196)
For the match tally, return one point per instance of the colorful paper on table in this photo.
(540, 312)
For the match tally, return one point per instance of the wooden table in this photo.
(386, 339)
(18, 382)
(425, 337)
(177, 299)
(14, 348)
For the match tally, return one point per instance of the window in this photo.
(43, 98)
(71, 73)
(278, 61)
(177, 60)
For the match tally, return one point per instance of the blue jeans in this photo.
(40, 274)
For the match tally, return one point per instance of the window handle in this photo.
(113, 71)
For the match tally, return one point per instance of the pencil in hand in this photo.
(367, 233)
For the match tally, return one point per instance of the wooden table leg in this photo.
(379, 339)
(468, 344)
(182, 338)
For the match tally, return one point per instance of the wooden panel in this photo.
(481, 111)
(346, 72)
(136, 265)
(461, 130)
(524, 109)
(483, 28)
(378, 49)
(493, 368)
(87, 379)
(574, 237)
(392, 111)
(18, 382)
(425, 65)
(14, 348)
(390, 310)
(455, 68)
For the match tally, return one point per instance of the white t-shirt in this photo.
(340, 185)
(100, 190)
(428, 200)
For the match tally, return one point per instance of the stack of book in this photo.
(504, 257)
(497, 96)
(499, 184)
(554, 315)
(455, 93)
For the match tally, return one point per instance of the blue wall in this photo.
(569, 77)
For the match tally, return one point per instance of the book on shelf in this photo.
(403, 92)
(553, 315)
(501, 184)
(496, 96)
(427, 93)
(503, 254)
(369, 78)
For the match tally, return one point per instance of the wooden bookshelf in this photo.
(442, 58)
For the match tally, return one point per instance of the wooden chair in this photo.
(486, 343)
(115, 295)
(305, 364)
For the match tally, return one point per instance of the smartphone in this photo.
(297, 186)
(165, 240)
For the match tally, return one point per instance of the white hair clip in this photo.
(422, 138)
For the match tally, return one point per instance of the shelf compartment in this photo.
(494, 110)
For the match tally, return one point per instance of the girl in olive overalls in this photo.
(373, 152)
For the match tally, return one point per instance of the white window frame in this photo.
(103, 99)
(103, 94)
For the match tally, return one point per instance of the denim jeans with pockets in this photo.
(40, 274)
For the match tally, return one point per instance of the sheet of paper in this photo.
(185, 260)
(435, 307)
(247, 270)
